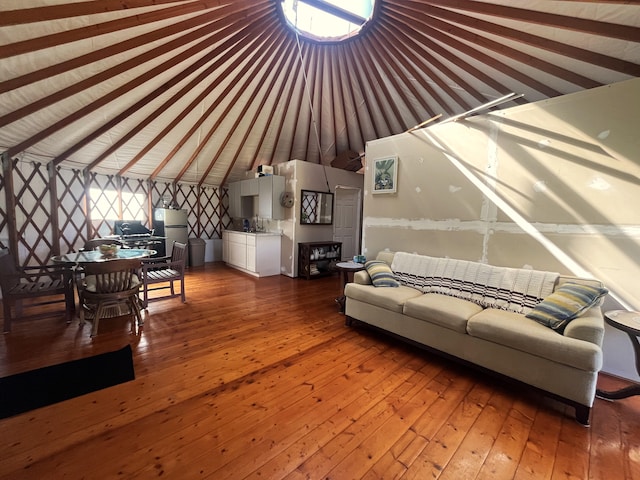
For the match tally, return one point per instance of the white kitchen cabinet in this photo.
(249, 188)
(271, 188)
(257, 254)
(262, 193)
(235, 204)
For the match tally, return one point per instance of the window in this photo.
(104, 204)
(327, 20)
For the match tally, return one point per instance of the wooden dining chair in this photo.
(110, 289)
(96, 242)
(162, 273)
(32, 287)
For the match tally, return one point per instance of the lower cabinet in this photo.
(257, 254)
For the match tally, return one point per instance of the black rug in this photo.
(37, 388)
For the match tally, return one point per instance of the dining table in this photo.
(93, 256)
(73, 260)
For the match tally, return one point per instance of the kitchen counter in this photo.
(256, 233)
(255, 253)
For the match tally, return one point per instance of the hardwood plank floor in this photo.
(260, 379)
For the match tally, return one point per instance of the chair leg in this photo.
(145, 295)
(135, 309)
(96, 320)
(6, 304)
(184, 299)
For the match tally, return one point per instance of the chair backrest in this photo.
(179, 253)
(96, 242)
(112, 276)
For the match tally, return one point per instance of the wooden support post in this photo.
(87, 199)
(55, 208)
(10, 199)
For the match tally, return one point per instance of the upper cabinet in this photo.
(271, 188)
(235, 204)
(249, 188)
(257, 196)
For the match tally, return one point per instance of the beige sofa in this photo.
(563, 365)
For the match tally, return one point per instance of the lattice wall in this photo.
(118, 198)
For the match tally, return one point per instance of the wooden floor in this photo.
(261, 379)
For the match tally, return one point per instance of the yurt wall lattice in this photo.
(44, 213)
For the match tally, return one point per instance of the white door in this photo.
(346, 221)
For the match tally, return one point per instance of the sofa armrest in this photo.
(588, 327)
(362, 277)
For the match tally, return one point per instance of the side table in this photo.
(345, 268)
(628, 322)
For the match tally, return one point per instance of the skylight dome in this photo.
(327, 20)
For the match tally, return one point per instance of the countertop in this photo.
(262, 234)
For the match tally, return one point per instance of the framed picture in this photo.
(385, 174)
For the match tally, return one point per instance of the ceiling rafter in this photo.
(210, 20)
(315, 135)
(241, 61)
(303, 53)
(307, 102)
(538, 41)
(425, 28)
(361, 77)
(105, 99)
(334, 111)
(118, 25)
(116, 70)
(349, 93)
(564, 22)
(289, 81)
(227, 54)
(258, 84)
(244, 79)
(505, 32)
(432, 65)
(277, 61)
(505, 50)
(168, 103)
(397, 62)
(69, 10)
(381, 90)
(284, 74)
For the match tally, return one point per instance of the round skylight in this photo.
(327, 20)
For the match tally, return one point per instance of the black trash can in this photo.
(196, 252)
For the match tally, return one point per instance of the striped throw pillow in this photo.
(567, 302)
(381, 274)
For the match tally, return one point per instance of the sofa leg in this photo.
(582, 414)
(348, 321)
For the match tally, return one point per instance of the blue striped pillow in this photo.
(567, 302)
(381, 274)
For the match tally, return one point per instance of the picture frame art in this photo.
(385, 174)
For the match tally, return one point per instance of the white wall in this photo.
(553, 185)
(300, 175)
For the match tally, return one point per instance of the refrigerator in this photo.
(171, 224)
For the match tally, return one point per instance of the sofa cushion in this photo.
(388, 298)
(516, 331)
(443, 310)
(381, 274)
(567, 302)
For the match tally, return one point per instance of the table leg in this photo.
(341, 300)
(619, 394)
(626, 391)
